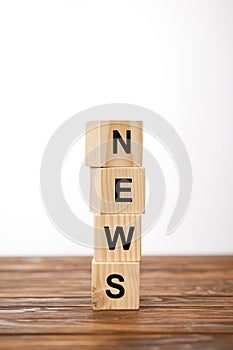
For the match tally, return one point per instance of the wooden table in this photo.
(186, 303)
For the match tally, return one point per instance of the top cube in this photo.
(114, 143)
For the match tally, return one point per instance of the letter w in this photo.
(119, 232)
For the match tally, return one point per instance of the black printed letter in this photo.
(119, 189)
(119, 232)
(115, 285)
(125, 145)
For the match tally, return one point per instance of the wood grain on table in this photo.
(186, 303)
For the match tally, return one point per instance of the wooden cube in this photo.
(117, 238)
(115, 285)
(114, 143)
(119, 190)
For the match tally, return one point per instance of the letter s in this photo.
(115, 285)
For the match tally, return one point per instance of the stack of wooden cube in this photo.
(117, 198)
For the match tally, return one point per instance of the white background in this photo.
(60, 57)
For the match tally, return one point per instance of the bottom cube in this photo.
(115, 285)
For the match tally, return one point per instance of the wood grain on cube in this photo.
(131, 199)
(112, 226)
(115, 285)
(100, 144)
